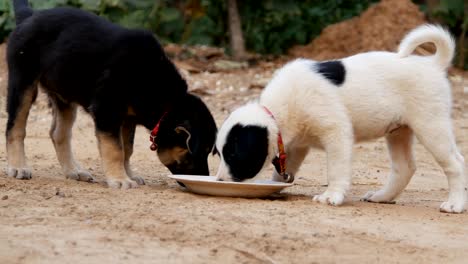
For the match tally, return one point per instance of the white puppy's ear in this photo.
(181, 129)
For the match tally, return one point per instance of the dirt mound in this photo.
(380, 27)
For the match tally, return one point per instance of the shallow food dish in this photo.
(209, 186)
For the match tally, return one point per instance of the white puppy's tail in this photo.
(441, 38)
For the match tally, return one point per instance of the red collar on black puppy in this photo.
(154, 132)
(280, 161)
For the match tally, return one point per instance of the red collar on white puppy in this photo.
(279, 161)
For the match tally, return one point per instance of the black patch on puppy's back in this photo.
(334, 71)
(245, 151)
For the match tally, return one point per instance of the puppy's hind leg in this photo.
(128, 136)
(437, 136)
(61, 133)
(20, 99)
(399, 145)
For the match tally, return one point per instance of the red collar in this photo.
(154, 133)
(279, 161)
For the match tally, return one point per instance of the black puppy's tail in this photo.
(22, 10)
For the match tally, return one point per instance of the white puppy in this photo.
(330, 105)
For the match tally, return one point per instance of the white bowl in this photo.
(208, 185)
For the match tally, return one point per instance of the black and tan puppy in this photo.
(121, 77)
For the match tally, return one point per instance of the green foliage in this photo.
(190, 22)
(452, 13)
(270, 26)
(6, 21)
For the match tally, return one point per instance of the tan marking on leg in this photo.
(61, 133)
(128, 134)
(112, 155)
(17, 166)
(128, 154)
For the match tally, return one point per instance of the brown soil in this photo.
(53, 220)
(381, 27)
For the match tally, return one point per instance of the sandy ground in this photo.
(53, 220)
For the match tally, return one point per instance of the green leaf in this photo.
(140, 4)
(90, 5)
(135, 19)
(170, 14)
(113, 4)
(4, 6)
(46, 4)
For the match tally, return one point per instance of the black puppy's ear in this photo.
(181, 129)
(215, 151)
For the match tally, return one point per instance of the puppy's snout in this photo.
(222, 174)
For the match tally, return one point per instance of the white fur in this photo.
(386, 94)
(444, 43)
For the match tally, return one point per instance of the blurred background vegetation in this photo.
(268, 26)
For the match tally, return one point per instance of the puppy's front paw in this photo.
(122, 184)
(20, 173)
(455, 207)
(80, 175)
(377, 197)
(138, 180)
(331, 198)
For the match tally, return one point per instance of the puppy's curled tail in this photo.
(22, 10)
(441, 38)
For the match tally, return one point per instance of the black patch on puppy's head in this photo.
(245, 151)
(186, 137)
(334, 71)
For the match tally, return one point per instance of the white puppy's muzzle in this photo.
(223, 173)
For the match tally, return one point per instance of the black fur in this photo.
(334, 71)
(81, 58)
(201, 132)
(245, 151)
